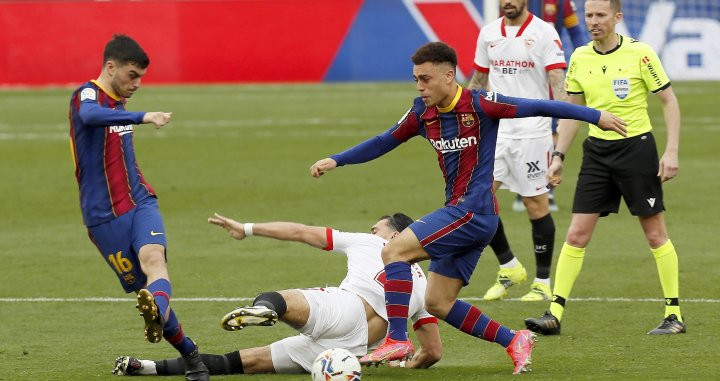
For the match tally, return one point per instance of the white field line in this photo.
(246, 299)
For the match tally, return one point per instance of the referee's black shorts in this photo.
(614, 168)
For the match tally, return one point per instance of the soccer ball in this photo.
(336, 365)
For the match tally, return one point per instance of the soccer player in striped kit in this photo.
(118, 206)
(461, 125)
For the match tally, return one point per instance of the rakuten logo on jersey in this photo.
(121, 130)
(453, 145)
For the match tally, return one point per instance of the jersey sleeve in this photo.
(407, 127)
(93, 114)
(340, 241)
(499, 106)
(572, 86)
(421, 318)
(482, 61)
(552, 54)
(652, 71)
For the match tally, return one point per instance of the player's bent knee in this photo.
(438, 308)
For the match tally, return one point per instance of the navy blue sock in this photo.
(161, 291)
(472, 321)
(173, 333)
(398, 289)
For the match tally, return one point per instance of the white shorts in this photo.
(521, 164)
(337, 320)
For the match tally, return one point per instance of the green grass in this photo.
(245, 151)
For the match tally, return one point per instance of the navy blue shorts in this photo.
(119, 241)
(454, 238)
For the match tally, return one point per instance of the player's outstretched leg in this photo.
(398, 289)
(471, 320)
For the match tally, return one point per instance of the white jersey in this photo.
(517, 60)
(366, 272)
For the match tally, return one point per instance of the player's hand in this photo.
(610, 122)
(236, 229)
(321, 166)
(668, 166)
(554, 173)
(158, 118)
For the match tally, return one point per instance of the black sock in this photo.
(230, 363)
(272, 300)
(500, 245)
(543, 235)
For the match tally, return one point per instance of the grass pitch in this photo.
(244, 151)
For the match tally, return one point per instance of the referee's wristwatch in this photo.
(558, 154)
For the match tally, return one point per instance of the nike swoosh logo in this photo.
(431, 121)
(155, 233)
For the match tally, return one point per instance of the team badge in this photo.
(88, 94)
(621, 87)
(467, 120)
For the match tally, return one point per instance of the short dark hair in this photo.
(124, 49)
(398, 221)
(435, 52)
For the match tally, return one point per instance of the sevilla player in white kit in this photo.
(351, 316)
(521, 55)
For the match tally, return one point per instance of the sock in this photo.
(229, 363)
(567, 270)
(500, 245)
(398, 289)
(173, 333)
(474, 322)
(148, 368)
(513, 263)
(543, 281)
(161, 291)
(667, 265)
(273, 301)
(543, 236)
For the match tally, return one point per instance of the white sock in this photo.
(148, 368)
(511, 264)
(543, 281)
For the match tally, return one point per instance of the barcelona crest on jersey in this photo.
(467, 120)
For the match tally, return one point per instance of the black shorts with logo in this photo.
(614, 168)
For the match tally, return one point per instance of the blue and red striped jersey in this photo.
(101, 133)
(463, 135)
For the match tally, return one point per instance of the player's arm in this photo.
(286, 231)
(92, 114)
(478, 81)
(430, 351)
(556, 80)
(366, 151)
(669, 163)
(499, 106)
(371, 149)
(567, 130)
